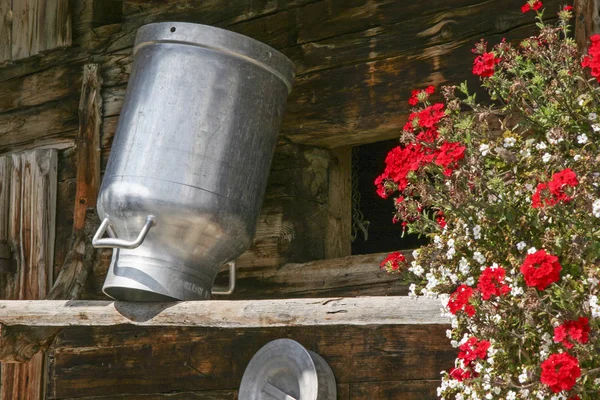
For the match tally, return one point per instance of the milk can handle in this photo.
(114, 242)
(222, 290)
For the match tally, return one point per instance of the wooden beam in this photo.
(360, 311)
(6, 16)
(133, 361)
(338, 234)
(587, 21)
(31, 229)
(358, 275)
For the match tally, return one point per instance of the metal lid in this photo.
(221, 40)
(284, 370)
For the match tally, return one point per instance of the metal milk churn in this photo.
(190, 159)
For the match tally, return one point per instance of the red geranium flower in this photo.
(449, 155)
(541, 269)
(592, 59)
(491, 283)
(414, 99)
(459, 301)
(393, 261)
(567, 8)
(560, 372)
(484, 64)
(572, 331)
(556, 186)
(472, 350)
(460, 374)
(527, 7)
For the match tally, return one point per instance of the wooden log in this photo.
(40, 125)
(6, 16)
(389, 310)
(587, 21)
(358, 275)
(31, 228)
(45, 86)
(131, 361)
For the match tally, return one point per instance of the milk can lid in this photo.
(284, 370)
(221, 40)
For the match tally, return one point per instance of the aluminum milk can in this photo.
(189, 163)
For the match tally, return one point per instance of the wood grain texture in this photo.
(339, 205)
(390, 310)
(6, 16)
(31, 227)
(587, 14)
(358, 275)
(39, 25)
(135, 360)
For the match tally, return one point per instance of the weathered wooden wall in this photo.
(357, 61)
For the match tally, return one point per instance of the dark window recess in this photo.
(368, 161)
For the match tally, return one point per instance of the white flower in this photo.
(415, 254)
(516, 291)
(577, 157)
(582, 139)
(511, 395)
(523, 377)
(477, 232)
(546, 157)
(463, 266)
(594, 306)
(596, 127)
(470, 281)
(531, 250)
(509, 142)
(416, 269)
(596, 208)
(525, 152)
(412, 291)
(521, 246)
(592, 116)
(541, 146)
(480, 258)
(484, 149)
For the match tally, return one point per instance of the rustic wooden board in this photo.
(31, 222)
(135, 360)
(6, 15)
(226, 314)
(56, 121)
(339, 205)
(39, 25)
(45, 86)
(358, 275)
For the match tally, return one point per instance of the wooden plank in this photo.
(405, 390)
(5, 175)
(31, 234)
(203, 395)
(587, 21)
(6, 16)
(135, 360)
(54, 121)
(24, 37)
(55, 29)
(74, 272)
(45, 86)
(358, 275)
(338, 238)
(391, 310)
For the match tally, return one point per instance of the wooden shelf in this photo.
(226, 314)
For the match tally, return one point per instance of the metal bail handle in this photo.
(222, 290)
(114, 242)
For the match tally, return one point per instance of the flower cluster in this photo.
(393, 262)
(556, 188)
(509, 195)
